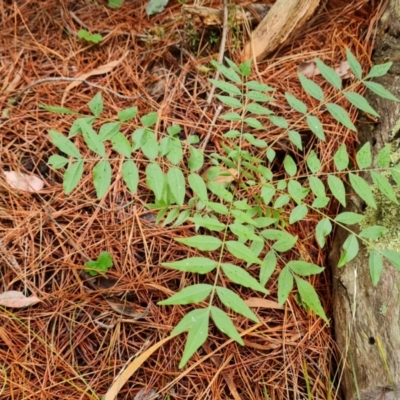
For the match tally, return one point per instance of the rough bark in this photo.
(367, 318)
(284, 18)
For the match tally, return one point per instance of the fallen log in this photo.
(367, 317)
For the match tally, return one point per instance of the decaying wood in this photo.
(283, 19)
(367, 318)
(213, 17)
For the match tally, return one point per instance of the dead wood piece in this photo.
(214, 17)
(283, 19)
(367, 327)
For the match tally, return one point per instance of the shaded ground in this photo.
(73, 344)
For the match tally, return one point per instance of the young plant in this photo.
(252, 230)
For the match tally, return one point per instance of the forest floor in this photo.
(73, 343)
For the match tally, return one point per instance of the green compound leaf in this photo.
(383, 158)
(393, 257)
(349, 218)
(232, 116)
(225, 324)
(378, 89)
(350, 250)
(175, 152)
(226, 87)
(317, 186)
(329, 74)
(281, 201)
(229, 101)
(72, 176)
(341, 158)
(379, 70)
(183, 217)
(313, 162)
(375, 263)
(337, 188)
(244, 232)
(396, 174)
(220, 191)
(310, 298)
(296, 191)
(229, 73)
(304, 268)
(241, 277)
(76, 128)
(172, 214)
(102, 177)
(320, 202)
(121, 145)
(176, 183)
(233, 65)
(278, 121)
(96, 105)
(108, 130)
(254, 123)
(295, 103)
(268, 267)
(198, 265)
(65, 145)
(362, 189)
(285, 244)
(218, 207)
(271, 154)
(196, 159)
(364, 157)
(127, 114)
(263, 222)
(258, 96)
(57, 161)
(231, 300)
(355, 66)
(261, 87)
(290, 166)
(241, 251)
(196, 322)
(360, 102)
(198, 186)
(295, 138)
(188, 295)
(155, 179)
(311, 87)
(91, 138)
(285, 285)
(298, 213)
(373, 232)
(130, 175)
(267, 193)
(340, 114)
(149, 119)
(323, 229)
(101, 265)
(210, 223)
(138, 138)
(257, 109)
(316, 127)
(383, 185)
(203, 243)
(150, 146)
(255, 142)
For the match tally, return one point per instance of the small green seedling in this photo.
(94, 38)
(101, 265)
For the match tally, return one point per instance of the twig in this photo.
(212, 91)
(66, 79)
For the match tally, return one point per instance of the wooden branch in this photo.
(283, 19)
